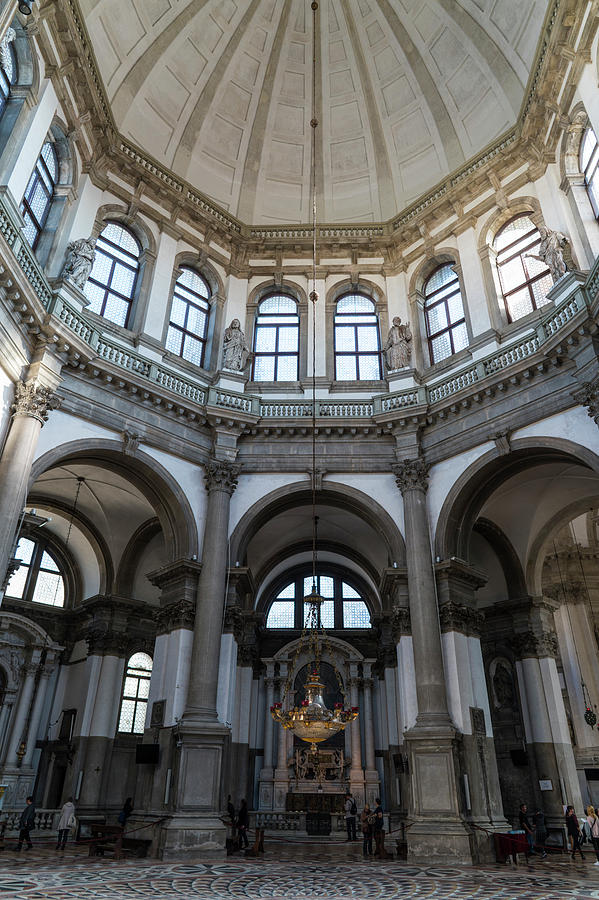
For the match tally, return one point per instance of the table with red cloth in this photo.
(507, 844)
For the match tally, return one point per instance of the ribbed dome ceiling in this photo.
(220, 92)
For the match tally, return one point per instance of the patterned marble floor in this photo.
(307, 872)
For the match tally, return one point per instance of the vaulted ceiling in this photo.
(407, 91)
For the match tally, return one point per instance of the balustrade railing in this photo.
(45, 819)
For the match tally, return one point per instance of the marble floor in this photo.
(306, 872)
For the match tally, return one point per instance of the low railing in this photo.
(45, 819)
(290, 821)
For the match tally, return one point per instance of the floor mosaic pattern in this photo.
(304, 872)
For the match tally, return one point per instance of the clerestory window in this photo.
(110, 287)
(357, 339)
(276, 339)
(190, 311)
(136, 690)
(38, 577)
(343, 606)
(525, 281)
(444, 314)
(39, 194)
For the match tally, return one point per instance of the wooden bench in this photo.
(106, 838)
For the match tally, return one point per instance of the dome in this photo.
(219, 91)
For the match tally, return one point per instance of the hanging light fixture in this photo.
(25, 7)
(312, 721)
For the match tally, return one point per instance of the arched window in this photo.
(111, 284)
(343, 606)
(444, 314)
(136, 690)
(357, 340)
(190, 310)
(8, 73)
(39, 194)
(589, 166)
(525, 281)
(276, 340)
(38, 577)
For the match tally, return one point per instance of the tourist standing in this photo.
(243, 823)
(350, 816)
(526, 827)
(593, 823)
(540, 832)
(366, 824)
(65, 823)
(126, 811)
(379, 833)
(26, 824)
(573, 829)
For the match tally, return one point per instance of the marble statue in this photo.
(80, 259)
(551, 251)
(236, 350)
(397, 349)
(5, 55)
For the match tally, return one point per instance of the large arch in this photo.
(151, 478)
(538, 552)
(336, 495)
(476, 484)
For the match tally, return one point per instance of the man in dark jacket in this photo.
(26, 824)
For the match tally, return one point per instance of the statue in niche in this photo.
(551, 251)
(5, 54)
(503, 687)
(397, 349)
(236, 351)
(80, 259)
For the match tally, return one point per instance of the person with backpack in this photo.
(350, 816)
(367, 823)
(65, 823)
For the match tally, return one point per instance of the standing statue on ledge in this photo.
(397, 350)
(236, 351)
(79, 261)
(551, 252)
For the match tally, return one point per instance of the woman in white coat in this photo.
(65, 823)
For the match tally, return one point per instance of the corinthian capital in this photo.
(588, 396)
(35, 400)
(221, 475)
(411, 474)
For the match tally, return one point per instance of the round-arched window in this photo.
(110, 287)
(343, 606)
(444, 313)
(589, 166)
(136, 690)
(357, 339)
(276, 339)
(39, 193)
(525, 280)
(190, 310)
(38, 577)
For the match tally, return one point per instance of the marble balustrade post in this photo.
(221, 481)
(29, 412)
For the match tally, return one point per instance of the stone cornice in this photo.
(98, 136)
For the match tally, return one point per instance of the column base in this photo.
(193, 836)
(445, 843)
(436, 830)
(196, 827)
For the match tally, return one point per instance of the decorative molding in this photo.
(400, 622)
(180, 614)
(411, 475)
(221, 475)
(34, 400)
(103, 640)
(459, 617)
(588, 396)
(528, 644)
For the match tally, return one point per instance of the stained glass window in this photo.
(525, 280)
(357, 340)
(342, 607)
(188, 326)
(136, 690)
(276, 340)
(589, 166)
(39, 194)
(111, 284)
(444, 314)
(38, 577)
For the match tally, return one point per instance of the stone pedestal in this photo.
(196, 828)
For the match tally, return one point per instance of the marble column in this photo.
(221, 481)
(29, 412)
(196, 827)
(266, 773)
(356, 772)
(21, 713)
(281, 776)
(36, 714)
(544, 714)
(437, 830)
